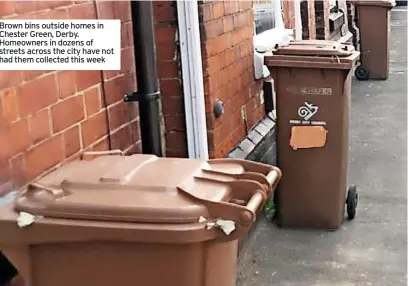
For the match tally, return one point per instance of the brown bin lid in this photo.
(378, 3)
(314, 54)
(139, 188)
(316, 48)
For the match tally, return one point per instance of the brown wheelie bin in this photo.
(135, 220)
(313, 86)
(374, 17)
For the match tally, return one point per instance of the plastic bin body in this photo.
(127, 263)
(313, 98)
(134, 220)
(374, 19)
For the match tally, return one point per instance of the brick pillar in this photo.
(304, 12)
(307, 10)
(322, 13)
(227, 50)
(169, 70)
(289, 17)
(312, 19)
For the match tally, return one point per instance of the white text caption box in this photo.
(60, 44)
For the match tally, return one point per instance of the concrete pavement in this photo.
(371, 250)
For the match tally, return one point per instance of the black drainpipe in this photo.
(148, 93)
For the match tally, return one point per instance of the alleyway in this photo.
(371, 250)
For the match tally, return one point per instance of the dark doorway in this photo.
(304, 13)
(319, 14)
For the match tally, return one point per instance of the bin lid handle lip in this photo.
(249, 167)
(245, 175)
(246, 164)
(269, 181)
(235, 212)
(57, 192)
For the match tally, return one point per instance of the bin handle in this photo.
(57, 192)
(270, 174)
(249, 191)
(273, 177)
(255, 202)
(246, 218)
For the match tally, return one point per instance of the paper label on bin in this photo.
(25, 219)
(303, 137)
(227, 226)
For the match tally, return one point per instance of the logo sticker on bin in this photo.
(307, 111)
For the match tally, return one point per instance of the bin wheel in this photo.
(352, 202)
(361, 73)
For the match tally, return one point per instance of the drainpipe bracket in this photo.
(138, 96)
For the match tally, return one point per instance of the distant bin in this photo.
(313, 90)
(134, 220)
(374, 17)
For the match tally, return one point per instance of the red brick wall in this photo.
(169, 68)
(47, 118)
(227, 29)
(289, 17)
